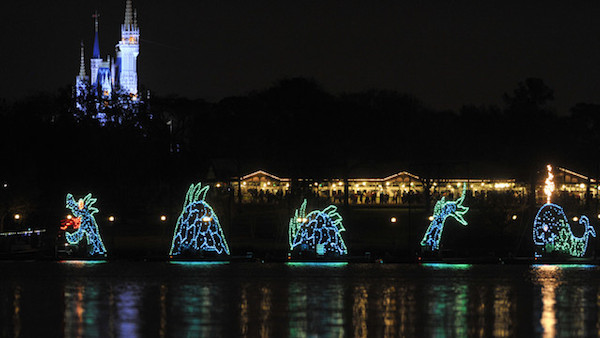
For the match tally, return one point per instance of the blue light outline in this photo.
(441, 211)
(450, 266)
(317, 264)
(195, 198)
(560, 223)
(309, 222)
(88, 228)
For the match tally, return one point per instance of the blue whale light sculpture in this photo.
(551, 229)
(552, 232)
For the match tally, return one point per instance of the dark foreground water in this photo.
(252, 299)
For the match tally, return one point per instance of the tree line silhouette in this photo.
(293, 128)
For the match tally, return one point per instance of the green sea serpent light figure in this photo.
(198, 229)
(319, 231)
(442, 210)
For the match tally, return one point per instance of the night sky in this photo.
(447, 53)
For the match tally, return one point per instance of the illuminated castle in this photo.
(109, 77)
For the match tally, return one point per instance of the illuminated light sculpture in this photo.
(318, 232)
(84, 222)
(552, 231)
(198, 230)
(441, 211)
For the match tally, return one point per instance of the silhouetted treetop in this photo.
(529, 98)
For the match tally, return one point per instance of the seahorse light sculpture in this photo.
(319, 231)
(552, 231)
(198, 229)
(442, 210)
(85, 223)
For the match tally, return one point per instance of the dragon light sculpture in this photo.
(84, 222)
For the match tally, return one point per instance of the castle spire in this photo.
(128, 14)
(135, 18)
(96, 52)
(82, 64)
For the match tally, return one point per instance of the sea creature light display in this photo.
(198, 230)
(318, 232)
(442, 210)
(84, 222)
(552, 231)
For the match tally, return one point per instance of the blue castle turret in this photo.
(108, 78)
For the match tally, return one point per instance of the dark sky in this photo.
(445, 52)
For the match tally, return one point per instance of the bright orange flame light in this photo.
(549, 188)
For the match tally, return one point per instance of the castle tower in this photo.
(81, 79)
(128, 50)
(96, 59)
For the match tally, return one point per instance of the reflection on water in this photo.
(316, 309)
(265, 311)
(503, 308)
(17, 311)
(162, 332)
(193, 307)
(81, 308)
(548, 276)
(133, 299)
(359, 311)
(128, 305)
(389, 311)
(447, 310)
(566, 293)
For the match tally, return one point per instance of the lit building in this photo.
(400, 188)
(109, 77)
(570, 184)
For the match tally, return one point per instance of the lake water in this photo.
(131, 298)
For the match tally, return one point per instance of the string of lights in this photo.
(198, 229)
(441, 211)
(83, 214)
(552, 232)
(319, 231)
(551, 228)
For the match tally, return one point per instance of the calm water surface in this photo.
(278, 300)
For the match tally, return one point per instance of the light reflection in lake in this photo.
(135, 299)
(359, 311)
(17, 311)
(316, 309)
(128, 306)
(265, 311)
(503, 307)
(566, 296)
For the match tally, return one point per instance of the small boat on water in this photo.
(23, 244)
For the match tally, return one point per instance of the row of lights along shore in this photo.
(111, 218)
(513, 217)
(163, 218)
